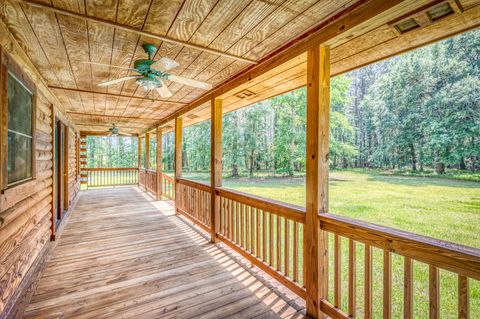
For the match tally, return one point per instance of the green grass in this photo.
(444, 208)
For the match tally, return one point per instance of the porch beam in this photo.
(178, 158)
(215, 165)
(136, 31)
(318, 109)
(158, 154)
(147, 151)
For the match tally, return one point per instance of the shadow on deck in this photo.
(122, 255)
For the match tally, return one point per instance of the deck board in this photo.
(122, 255)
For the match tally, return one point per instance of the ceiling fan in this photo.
(152, 73)
(115, 131)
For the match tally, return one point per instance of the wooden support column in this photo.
(139, 151)
(158, 158)
(178, 157)
(215, 164)
(147, 151)
(315, 241)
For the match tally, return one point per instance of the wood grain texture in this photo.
(137, 266)
(58, 38)
(316, 244)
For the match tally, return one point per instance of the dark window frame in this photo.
(9, 66)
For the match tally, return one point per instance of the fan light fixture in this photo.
(149, 84)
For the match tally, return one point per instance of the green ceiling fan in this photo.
(152, 73)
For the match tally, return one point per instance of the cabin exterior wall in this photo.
(26, 209)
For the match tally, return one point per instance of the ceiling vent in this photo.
(425, 16)
(244, 94)
(192, 116)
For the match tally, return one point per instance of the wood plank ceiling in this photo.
(58, 44)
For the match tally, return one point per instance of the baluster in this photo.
(257, 233)
(264, 236)
(295, 251)
(408, 289)
(434, 292)
(242, 227)
(237, 222)
(252, 231)
(247, 228)
(352, 287)
(279, 241)
(387, 284)
(337, 272)
(463, 298)
(270, 240)
(221, 216)
(232, 203)
(368, 282)
(287, 248)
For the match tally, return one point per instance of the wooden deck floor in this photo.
(122, 255)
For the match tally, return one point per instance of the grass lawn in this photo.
(442, 208)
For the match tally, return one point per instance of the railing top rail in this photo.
(457, 258)
(286, 210)
(94, 169)
(202, 186)
(165, 176)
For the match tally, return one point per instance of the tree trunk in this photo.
(234, 170)
(440, 168)
(462, 163)
(414, 158)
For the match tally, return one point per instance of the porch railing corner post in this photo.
(317, 149)
(215, 165)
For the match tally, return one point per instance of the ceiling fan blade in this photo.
(164, 91)
(111, 66)
(126, 78)
(164, 64)
(189, 82)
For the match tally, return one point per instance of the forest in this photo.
(418, 111)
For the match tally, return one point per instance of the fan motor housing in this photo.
(143, 65)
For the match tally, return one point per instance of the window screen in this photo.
(20, 110)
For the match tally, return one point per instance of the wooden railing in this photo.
(460, 260)
(168, 184)
(151, 181)
(142, 176)
(96, 177)
(270, 235)
(147, 179)
(266, 232)
(194, 201)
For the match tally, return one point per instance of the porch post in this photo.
(139, 156)
(178, 158)
(215, 164)
(315, 241)
(159, 163)
(147, 151)
(139, 147)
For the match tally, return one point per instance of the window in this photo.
(18, 115)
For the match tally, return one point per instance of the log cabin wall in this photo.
(26, 209)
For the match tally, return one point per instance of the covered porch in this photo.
(164, 246)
